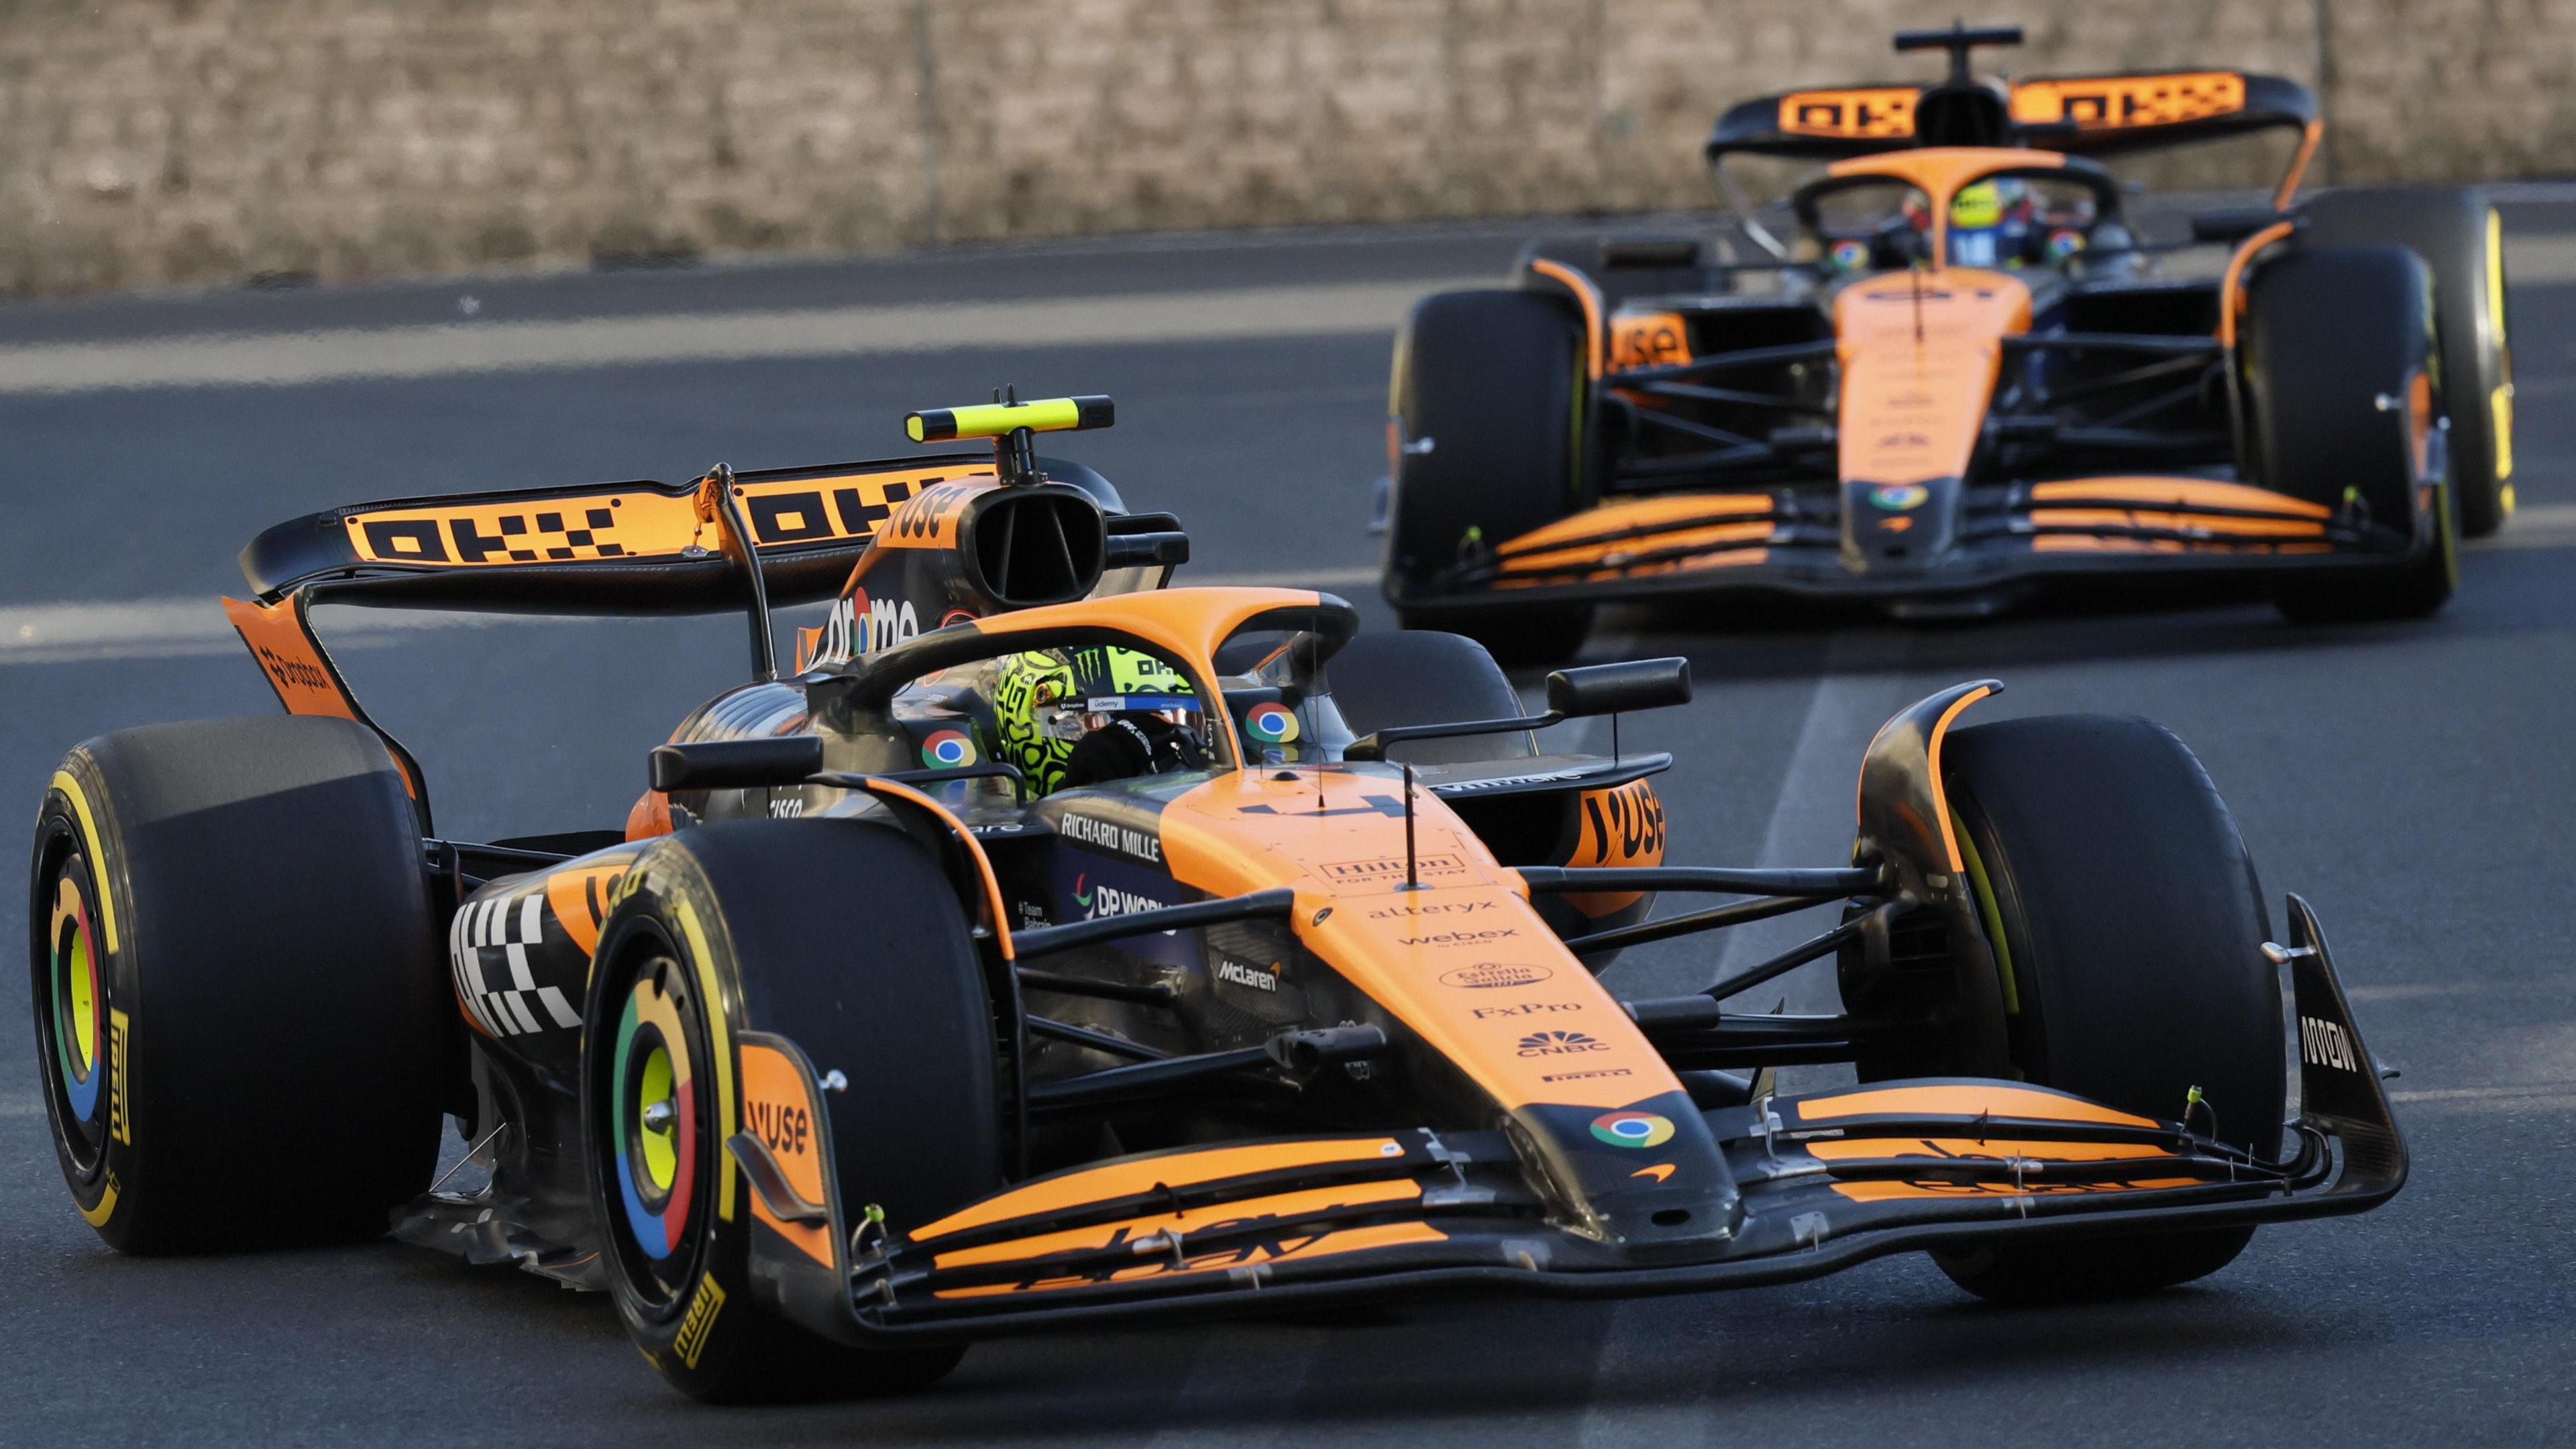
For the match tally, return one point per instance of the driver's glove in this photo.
(1129, 746)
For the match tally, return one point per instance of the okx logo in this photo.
(1560, 1044)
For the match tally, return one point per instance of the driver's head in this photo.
(1080, 716)
(1987, 220)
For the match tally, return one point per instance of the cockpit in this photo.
(1882, 213)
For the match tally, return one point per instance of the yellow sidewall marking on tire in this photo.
(1982, 890)
(704, 964)
(71, 789)
(2501, 401)
(97, 1216)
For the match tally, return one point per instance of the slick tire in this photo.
(2461, 238)
(2335, 341)
(724, 928)
(2127, 923)
(1418, 677)
(241, 1014)
(1490, 411)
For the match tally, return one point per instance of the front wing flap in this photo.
(1827, 1179)
(1788, 540)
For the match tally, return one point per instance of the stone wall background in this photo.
(151, 142)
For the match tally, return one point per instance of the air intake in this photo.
(1035, 545)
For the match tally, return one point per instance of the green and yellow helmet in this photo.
(1046, 701)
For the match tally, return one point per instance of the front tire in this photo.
(241, 1015)
(731, 926)
(2127, 924)
(2339, 365)
(2461, 238)
(1489, 415)
(1418, 677)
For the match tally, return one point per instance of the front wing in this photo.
(1789, 541)
(1826, 1180)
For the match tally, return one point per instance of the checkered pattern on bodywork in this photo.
(488, 942)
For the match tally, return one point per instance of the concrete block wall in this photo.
(151, 142)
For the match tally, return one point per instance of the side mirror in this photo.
(736, 764)
(1618, 688)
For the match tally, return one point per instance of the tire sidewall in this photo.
(692, 1333)
(103, 1188)
(1493, 382)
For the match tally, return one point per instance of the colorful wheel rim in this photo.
(654, 1125)
(79, 998)
(1271, 724)
(1633, 1129)
(948, 750)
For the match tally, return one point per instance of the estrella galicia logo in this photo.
(1560, 1044)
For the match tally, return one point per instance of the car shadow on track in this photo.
(1763, 638)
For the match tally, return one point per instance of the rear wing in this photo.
(2079, 115)
(610, 548)
(2097, 115)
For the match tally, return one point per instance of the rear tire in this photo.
(899, 1009)
(241, 1015)
(2332, 335)
(2460, 237)
(1489, 405)
(2127, 923)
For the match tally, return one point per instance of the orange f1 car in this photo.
(1966, 377)
(1054, 947)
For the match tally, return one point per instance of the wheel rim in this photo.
(655, 1147)
(76, 1001)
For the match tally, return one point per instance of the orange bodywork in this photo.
(1919, 353)
(779, 1108)
(1871, 113)
(1588, 297)
(2103, 103)
(1648, 339)
(2000, 1099)
(634, 522)
(280, 636)
(1426, 955)
(1608, 538)
(1131, 1176)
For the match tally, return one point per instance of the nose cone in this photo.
(1895, 529)
(1647, 1179)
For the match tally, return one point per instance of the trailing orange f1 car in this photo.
(1056, 947)
(1966, 377)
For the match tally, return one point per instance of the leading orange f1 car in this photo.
(1055, 947)
(1968, 376)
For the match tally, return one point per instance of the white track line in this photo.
(293, 359)
(1811, 824)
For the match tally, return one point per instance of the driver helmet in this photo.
(1988, 221)
(1045, 702)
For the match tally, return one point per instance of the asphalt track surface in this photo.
(2414, 782)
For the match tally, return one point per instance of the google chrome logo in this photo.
(947, 750)
(1272, 724)
(1633, 1129)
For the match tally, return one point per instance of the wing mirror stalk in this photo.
(1595, 689)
